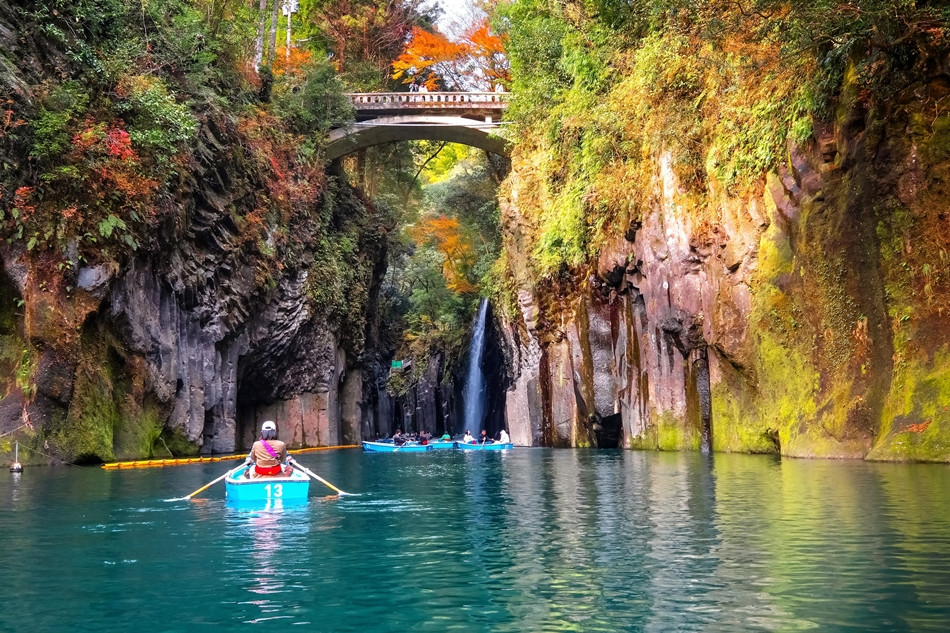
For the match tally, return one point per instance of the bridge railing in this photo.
(391, 100)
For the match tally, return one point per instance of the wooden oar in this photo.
(207, 485)
(298, 466)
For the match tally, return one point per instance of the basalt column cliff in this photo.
(807, 313)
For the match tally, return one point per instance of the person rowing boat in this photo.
(268, 456)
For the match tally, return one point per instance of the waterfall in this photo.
(474, 393)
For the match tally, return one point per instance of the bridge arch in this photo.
(461, 117)
(345, 141)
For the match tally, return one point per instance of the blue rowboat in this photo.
(438, 445)
(389, 447)
(293, 488)
(491, 446)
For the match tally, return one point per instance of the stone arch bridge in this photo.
(471, 118)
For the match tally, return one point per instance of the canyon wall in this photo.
(808, 315)
(188, 347)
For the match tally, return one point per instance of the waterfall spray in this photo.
(474, 392)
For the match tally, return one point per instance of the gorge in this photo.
(695, 255)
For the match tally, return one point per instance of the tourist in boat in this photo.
(446, 438)
(503, 437)
(484, 439)
(424, 437)
(398, 438)
(468, 439)
(268, 456)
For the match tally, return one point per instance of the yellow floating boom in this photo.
(180, 461)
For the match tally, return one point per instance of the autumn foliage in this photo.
(364, 32)
(446, 235)
(100, 183)
(474, 62)
(293, 65)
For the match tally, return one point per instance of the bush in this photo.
(157, 124)
(60, 111)
(313, 101)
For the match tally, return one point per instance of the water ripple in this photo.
(533, 540)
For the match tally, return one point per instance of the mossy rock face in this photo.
(675, 434)
(646, 442)
(15, 352)
(175, 441)
(111, 415)
(732, 431)
(916, 425)
(86, 435)
(820, 360)
(939, 145)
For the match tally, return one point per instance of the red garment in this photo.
(268, 471)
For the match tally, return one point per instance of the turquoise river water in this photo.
(528, 540)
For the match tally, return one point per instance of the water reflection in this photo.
(531, 540)
(265, 551)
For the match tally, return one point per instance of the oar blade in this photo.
(322, 480)
(207, 485)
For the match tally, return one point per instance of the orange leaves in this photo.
(475, 61)
(918, 428)
(293, 65)
(425, 52)
(488, 53)
(446, 235)
(21, 202)
(288, 184)
(7, 122)
(106, 152)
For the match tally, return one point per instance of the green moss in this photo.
(109, 416)
(787, 387)
(174, 440)
(137, 431)
(582, 441)
(647, 441)
(733, 430)
(916, 419)
(11, 349)
(672, 434)
(775, 253)
(669, 433)
(939, 145)
(86, 434)
(24, 371)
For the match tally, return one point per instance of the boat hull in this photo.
(441, 446)
(294, 488)
(494, 446)
(389, 447)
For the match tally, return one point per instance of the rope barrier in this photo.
(2, 435)
(181, 461)
(47, 455)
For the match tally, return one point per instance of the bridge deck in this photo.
(471, 118)
(476, 104)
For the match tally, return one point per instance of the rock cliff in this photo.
(188, 346)
(807, 315)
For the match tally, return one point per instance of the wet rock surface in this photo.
(787, 319)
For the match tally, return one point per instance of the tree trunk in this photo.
(274, 16)
(259, 43)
